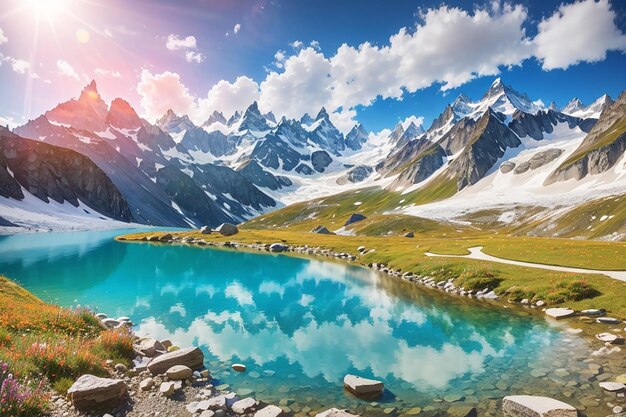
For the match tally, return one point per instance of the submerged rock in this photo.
(612, 386)
(536, 406)
(363, 386)
(90, 391)
(559, 312)
(269, 411)
(335, 412)
(610, 338)
(244, 406)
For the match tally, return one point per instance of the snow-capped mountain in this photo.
(233, 168)
(576, 108)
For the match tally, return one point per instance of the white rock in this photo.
(146, 384)
(269, 411)
(167, 389)
(559, 312)
(191, 357)
(608, 320)
(244, 406)
(207, 413)
(239, 367)
(612, 386)
(535, 406)
(335, 412)
(610, 338)
(179, 372)
(361, 386)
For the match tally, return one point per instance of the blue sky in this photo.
(160, 54)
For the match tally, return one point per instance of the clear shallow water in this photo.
(300, 325)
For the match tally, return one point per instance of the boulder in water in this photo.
(536, 406)
(363, 386)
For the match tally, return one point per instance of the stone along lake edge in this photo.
(610, 341)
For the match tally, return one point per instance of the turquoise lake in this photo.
(300, 325)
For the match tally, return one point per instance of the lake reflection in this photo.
(309, 322)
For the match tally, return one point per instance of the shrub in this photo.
(116, 343)
(69, 359)
(62, 385)
(17, 400)
(478, 280)
(571, 290)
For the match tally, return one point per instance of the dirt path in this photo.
(477, 253)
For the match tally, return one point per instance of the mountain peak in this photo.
(322, 114)
(172, 123)
(122, 115)
(254, 107)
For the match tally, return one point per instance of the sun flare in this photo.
(47, 8)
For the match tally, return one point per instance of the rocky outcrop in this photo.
(52, 173)
(536, 125)
(357, 174)
(258, 176)
(227, 229)
(304, 169)
(155, 138)
(507, 166)
(216, 143)
(326, 134)
(224, 180)
(89, 392)
(274, 152)
(190, 197)
(537, 160)
(320, 160)
(535, 406)
(322, 230)
(600, 150)
(354, 217)
(191, 357)
(489, 140)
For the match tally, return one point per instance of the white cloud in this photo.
(3, 38)
(582, 31)
(160, 92)
(66, 69)
(237, 28)
(229, 97)
(20, 66)
(108, 73)
(175, 42)
(449, 46)
(194, 56)
(302, 87)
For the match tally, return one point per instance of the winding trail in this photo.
(477, 253)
